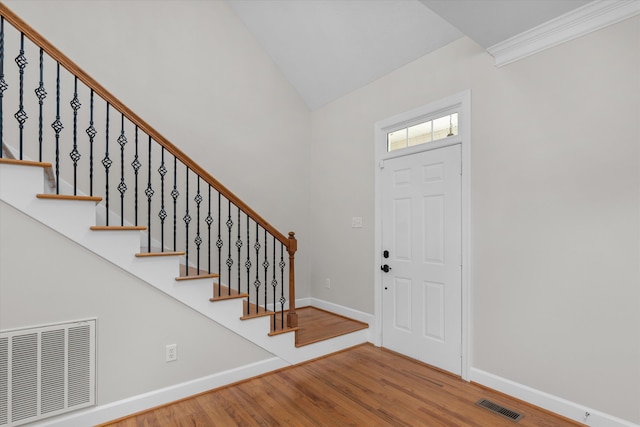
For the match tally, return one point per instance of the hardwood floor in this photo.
(361, 386)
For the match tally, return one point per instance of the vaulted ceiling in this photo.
(328, 48)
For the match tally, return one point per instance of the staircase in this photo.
(75, 218)
(107, 180)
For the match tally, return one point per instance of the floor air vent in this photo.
(500, 410)
(46, 371)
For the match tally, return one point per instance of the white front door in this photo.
(421, 239)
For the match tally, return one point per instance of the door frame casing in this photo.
(460, 103)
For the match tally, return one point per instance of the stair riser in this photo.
(20, 184)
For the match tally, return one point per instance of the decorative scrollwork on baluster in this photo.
(91, 132)
(209, 220)
(41, 94)
(162, 214)
(21, 114)
(136, 165)
(149, 192)
(57, 127)
(122, 187)
(198, 239)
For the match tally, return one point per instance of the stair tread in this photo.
(69, 197)
(153, 254)
(255, 311)
(198, 276)
(117, 227)
(193, 273)
(24, 162)
(221, 293)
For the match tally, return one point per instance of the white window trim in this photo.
(460, 103)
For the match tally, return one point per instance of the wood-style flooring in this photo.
(361, 386)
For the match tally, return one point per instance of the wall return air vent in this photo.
(46, 371)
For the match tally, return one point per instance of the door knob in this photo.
(385, 268)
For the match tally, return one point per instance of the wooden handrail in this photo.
(74, 69)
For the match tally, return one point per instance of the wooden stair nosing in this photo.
(117, 227)
(69, 197)
(227, 297)
(154, 254)
(221, 293)
(199, 276)
(283, 331)
(24, 162)
(261, 312)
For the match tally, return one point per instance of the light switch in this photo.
(356, 222)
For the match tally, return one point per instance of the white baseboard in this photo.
(548, 401)
(347, 312)
(104, 413)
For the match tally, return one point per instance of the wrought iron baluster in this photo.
(162, 170)
(219, 242)
(91, 131)
(122, 187)
(187, 220)
(149, 193)
(265, 264)
(229, 259)
(21, 115)
(247, 265)
(75, 154)
(198, 240)
(41, 94)
(209, 221)
(282, 298)
(106, 162)
(274, 282)
(239, 246)
(3, 84)
(57, 127)
(136, 165)
(257, 283)
(174, 194)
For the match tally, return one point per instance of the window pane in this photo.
(397, 139)
(423, 133)
(420, 134)
(445, 126)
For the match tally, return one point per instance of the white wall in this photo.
(46, 278)
(195, 73)
(555, 211)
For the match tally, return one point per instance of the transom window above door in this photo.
(424, 132)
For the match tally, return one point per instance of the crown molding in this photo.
(583, 20)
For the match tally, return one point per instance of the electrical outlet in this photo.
(356, 222)
(327, 283)
(171, 352)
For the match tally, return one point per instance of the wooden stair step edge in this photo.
(198, 276)
(117, 227)
(255, 311)
(154, 254)
(6, 161)
(69, 197)
(282, 331)
(221, 293)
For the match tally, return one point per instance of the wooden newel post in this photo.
(292, 316)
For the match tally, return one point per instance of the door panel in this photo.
(421, 229)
